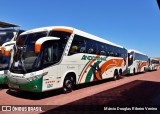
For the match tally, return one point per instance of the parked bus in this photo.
(61, 57)
(8, 36)
(137, 62)
(154, 64)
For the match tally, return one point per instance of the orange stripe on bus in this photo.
(7, 53)
(98, 76)
(107, 65)
(110, 64)
(63, 29)
(143, 64)
(2, 50)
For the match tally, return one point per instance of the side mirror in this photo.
(2, 49)
(7, 53)
(8, 50)
(39, 42)
(6, 47)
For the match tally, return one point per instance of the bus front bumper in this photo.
(31, 86)
(3, 77)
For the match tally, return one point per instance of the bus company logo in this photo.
(6, 108)
(85, 57)
(21, 108)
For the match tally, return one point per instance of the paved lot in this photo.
(139, 90)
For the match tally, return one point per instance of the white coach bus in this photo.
(8, 35)
(137, 62)
(154, 64)
(60, 57)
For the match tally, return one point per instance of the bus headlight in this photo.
(37, 76)
(35, 86)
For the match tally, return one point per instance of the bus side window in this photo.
(91, 46)
(78, 45)
(47, 55)
(50, 53)
(101, 48)
(116, 52)
(110, 49)
(107, 49)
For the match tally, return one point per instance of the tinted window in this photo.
(30, 39)
(63, 38)
(85, 45)
(92, 47)
(155, 62)
(51, 53)
(101, 48)
(107, 50)
(141, 57)
(78, 45)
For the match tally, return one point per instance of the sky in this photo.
(134, 24)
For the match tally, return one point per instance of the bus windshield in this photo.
(26, 60)
(25, 55)
(6, 36)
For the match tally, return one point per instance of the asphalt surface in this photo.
(139, 91)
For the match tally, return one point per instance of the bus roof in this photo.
(132, 50)
(7, 25)
(90, 36)
(76, 31)
(154, 59)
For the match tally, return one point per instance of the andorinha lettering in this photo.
(85, 57)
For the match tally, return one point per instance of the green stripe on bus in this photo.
(90, 72)
(33, 86)
(83, 70)
(3, 79)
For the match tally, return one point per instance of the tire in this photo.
(68, 84)
(144, 69)
(115, 77)
(133, 72)
(120, 74)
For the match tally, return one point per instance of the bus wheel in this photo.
(133, 72)
(115, 77)
(68, 84)
(120, 74)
